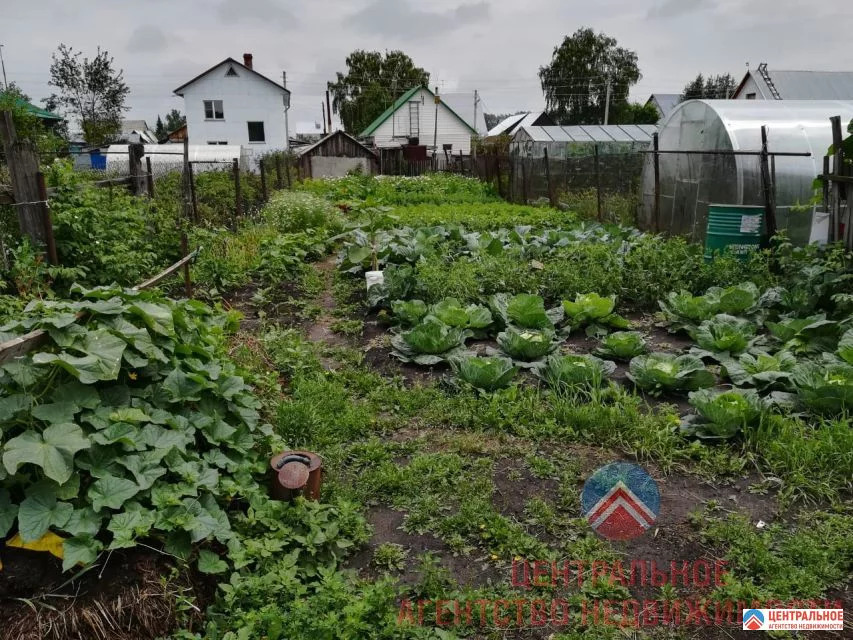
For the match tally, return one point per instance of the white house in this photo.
(413, 115)
(232, 104)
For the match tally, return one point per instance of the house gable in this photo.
(403, 100)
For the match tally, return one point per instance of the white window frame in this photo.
(213, 110)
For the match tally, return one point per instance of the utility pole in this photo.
(437, 101)
(323, 116)
(607, 102)
(328, 111)
(3, 64)
(476, 102)
(286, 110)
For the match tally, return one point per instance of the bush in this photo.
(435, 188)
(290, 211)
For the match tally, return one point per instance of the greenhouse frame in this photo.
(690, 182)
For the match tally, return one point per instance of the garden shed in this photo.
(689, 182)
(336, 155)
(580, 140)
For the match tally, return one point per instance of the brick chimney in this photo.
(247, 60)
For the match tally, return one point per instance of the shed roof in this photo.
(307, 149)
(219, 64)
(802, 85)
(33, 109)
(399, 102)
(510, 124)
(665, 102)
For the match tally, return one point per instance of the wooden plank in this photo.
(6, 196)
(168, 271)
(23, 161)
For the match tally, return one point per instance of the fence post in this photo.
(287, 171)
(837, 170)
(598, 185)
(23, 164)
(263, 180)
(135, 152)
(149, 177)
(511, 161)
(551, 196)
(238, 196)
(46, 221)
(188, 287)
(278, 184)
(769, 209)
(656, 158)
(498, 175)
(186, 185)
(524, 194)
(826, 183)
(193, 195)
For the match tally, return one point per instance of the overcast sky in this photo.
(496, 46)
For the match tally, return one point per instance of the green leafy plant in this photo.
(683, 310)
(429, 342)
(622, 345)
(408, 313)
(487, 374)
(573, 371)
(524, 310)
(659, 372)
(132, 423)
(812, 334)
(451, 312)
(725, 334)
(594, 312)
(845, 347)
(722, 415)
(825, 387)
(526, 346)
(761, 370)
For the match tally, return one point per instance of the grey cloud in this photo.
(265, 12)
(146, 38)
(675, 8)
(397, 17)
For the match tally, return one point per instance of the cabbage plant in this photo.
(845, 347)
(408, 313)
(525, 346)
(683, 310)
(622, 345)
(721, 415)
(573, 371)
(594, 312)
(761, 370)
(659, 372)
(812, 334)
(825, 387)
(525, 310)
(725, 333)
(488, 374)
(429, 342)
(451, 312)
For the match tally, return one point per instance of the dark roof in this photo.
(307, 149)
(219, 64)
(801, 85)
(399, 102)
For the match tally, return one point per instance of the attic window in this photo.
(231, 73)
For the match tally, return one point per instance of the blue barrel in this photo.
(734, 229)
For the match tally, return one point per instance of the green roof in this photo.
(403, 99)
(33, 109)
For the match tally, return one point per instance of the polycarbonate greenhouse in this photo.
(689, 183)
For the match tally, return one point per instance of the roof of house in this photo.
(801, 85)
(528, 119)
(665, 102)
(307, 149)
(399, 102)
(463, 105)
(36, 111)
(219, 64)
(591, 133)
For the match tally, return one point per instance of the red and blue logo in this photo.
(753, 620)
(620, 501)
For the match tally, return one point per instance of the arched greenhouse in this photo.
(690, 182)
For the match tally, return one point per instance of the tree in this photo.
(575, 81)
(160, 129)
(48, 138)
(372, 82)
(634, 113)
(719, 87)
(90, 91)
(175, 120)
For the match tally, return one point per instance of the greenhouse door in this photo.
(684, 208)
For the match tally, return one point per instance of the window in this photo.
(217, 142)
(231, 73)
(256, 132)
(750, 96)
(213, 110)
(414, 119)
